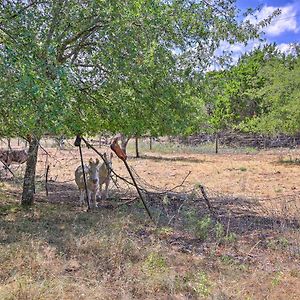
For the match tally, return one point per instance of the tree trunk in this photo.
(9, 144)
(137, 154)
(150, 144)
(29, 178)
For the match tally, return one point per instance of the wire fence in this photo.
(57, 161)
(183, 206)
(239, 139)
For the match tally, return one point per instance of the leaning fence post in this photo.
(77, 143)
(116, 148)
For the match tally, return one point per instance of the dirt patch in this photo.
(262, 175)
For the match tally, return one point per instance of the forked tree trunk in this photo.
(29, 178)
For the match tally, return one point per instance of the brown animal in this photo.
(13, 156)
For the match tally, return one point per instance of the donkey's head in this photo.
(93, 171)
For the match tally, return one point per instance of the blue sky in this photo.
(284, 29)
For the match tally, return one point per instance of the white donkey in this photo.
(104, 175)
(92, 181)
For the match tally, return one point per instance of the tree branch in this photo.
(7, 33)
(54, 23)
(83, 35)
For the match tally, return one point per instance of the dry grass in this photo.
(251, 250)
(61, 252)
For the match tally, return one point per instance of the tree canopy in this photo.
(88, 66)
(258, 94)
(73, 66)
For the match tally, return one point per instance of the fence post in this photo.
(217, 142)
(77, 143)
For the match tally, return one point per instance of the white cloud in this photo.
(286, 48)
(238, 49)
(283, 47)
(286, 21)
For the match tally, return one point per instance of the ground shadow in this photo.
(60, 193)
(240, 216)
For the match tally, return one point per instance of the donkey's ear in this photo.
(97, 161)
(90, 161)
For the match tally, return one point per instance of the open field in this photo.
(248, 249)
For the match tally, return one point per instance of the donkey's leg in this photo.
(106, 188)
(100, 191)
(93, 196)
(90, 198)
(81, 200)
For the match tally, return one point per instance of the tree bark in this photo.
(137, 154)
(9, 143)
(29, 178)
